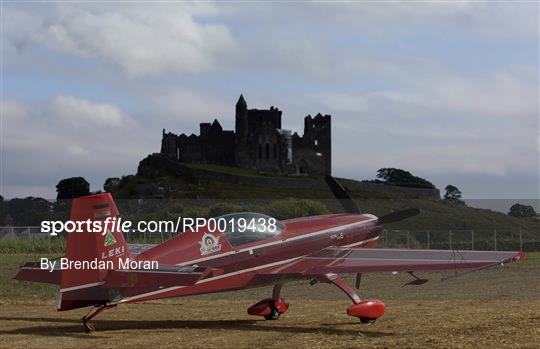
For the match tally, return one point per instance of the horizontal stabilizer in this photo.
(32, 272)
(165, 276)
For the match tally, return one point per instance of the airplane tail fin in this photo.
(91, 255)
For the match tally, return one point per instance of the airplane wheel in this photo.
(274, 315)
(366, 320)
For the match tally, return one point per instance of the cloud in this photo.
(495, 95)
(141, 40)
(498, 95)
(440, 124)
(40, 147)
(354, 41)
(187, 107)
(490, 20)
(71, 136)
(18, 31)
(440, 88)
(82, 113)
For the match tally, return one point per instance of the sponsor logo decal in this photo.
(113, 252)
(209, 244)
(109, 238)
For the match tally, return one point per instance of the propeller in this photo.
(350, 206)
(398, 215)
(343, 197)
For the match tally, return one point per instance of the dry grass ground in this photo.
(496, 308)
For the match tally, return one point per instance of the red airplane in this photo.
(318, 248)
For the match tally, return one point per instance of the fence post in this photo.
(408, 240)
(520, 241)
(495, 239)
(450, 235)
(29, 236)
(472, 239)
(12, 233)
(428, 239)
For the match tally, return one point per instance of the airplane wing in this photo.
(136, 249)
(340, 260)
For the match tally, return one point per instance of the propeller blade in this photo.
(398, 215)
(343, 197)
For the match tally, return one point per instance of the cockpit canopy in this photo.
(245, 227)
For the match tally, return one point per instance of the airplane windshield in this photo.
(245, 227)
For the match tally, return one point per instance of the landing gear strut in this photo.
(271, 308)
(366, 310)
(94, 311)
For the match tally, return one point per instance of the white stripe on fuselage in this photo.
(303, 236)
(67, 289)
(234, 273)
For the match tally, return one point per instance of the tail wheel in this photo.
(274, 315)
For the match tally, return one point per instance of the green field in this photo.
(200, 194)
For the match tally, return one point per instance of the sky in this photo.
(446, 90)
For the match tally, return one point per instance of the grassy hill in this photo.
(200, 193)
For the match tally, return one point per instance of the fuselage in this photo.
(237, 266)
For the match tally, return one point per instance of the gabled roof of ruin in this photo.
(216, 124)
(241, 101)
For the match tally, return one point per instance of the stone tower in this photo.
(241, 131)
(318, 137)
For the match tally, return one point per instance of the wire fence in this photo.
(471, 239)
(498, 240)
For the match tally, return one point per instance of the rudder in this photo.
(81, 287)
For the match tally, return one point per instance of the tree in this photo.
(3, 211)
(73, 187)
(110, 183)
(401, 177)
(28, 211)
(453, 195)
(522, 211)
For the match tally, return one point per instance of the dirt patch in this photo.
(308, 324)
(496, 308)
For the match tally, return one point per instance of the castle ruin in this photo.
(258, 142)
